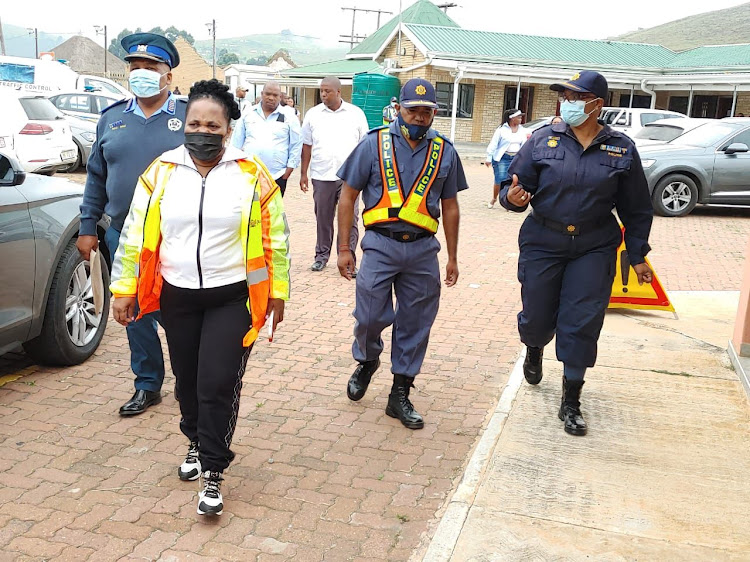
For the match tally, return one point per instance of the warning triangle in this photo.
(627, 293)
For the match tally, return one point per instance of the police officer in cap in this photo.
(573, 174)
(131, 133)
(418, 172)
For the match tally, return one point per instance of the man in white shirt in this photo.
(330, 132)
(272, 133)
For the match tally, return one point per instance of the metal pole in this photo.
(632, 93)
(690, 101)
(518, 93)
(454, 110)
(105, 51)
(213, 33)
(734, 101)
(2, 39)
(398, 43)
(36, 42)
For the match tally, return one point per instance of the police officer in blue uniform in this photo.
(131, 133)
(573, 174)
(406, 173)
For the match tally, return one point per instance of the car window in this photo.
(709, 134)
(743, 137)
(617, 117)
(99, 86)
(40, 109)
(79, 103)
(103, 103)
(664, 133)
(6, 170)
(650, 118)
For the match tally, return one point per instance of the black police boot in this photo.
(360, 379)
(532, 365)
(399, 405)
(570, 408)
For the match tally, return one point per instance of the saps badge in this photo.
(552, 142)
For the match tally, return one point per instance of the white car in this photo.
(42, 138)
(84, 105)
(666, 130)
(630, 120)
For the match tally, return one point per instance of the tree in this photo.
(258, 61)
(224, 57)
(171, 33)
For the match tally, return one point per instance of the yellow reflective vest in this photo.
(264, 235)
(391, 206)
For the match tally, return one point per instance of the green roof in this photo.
(342, 68)
(421, 12)
(491, 46)
(715, 56)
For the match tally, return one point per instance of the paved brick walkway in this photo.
(316, 476)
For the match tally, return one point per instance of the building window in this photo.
(444, 93)
(639, 101)
(525, 104)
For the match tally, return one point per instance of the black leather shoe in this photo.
(570, 408)
(141, 400)
(360, 379)
(399, 405)
(532, 365)
(317, 266)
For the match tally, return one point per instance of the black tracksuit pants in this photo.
(205, 328)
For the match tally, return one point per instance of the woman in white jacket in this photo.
(506, 142)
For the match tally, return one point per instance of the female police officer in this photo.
(573, 174)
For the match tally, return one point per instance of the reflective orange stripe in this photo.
(392, 196)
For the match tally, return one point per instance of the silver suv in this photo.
(46, 301)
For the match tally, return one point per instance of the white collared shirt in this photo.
(333, 135)
(201, 246)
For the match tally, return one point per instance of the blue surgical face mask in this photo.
(145, 83)
(574, 112)
(413, 132)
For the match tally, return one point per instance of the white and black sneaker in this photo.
(191, 468)
(210, 501)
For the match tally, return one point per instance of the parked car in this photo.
(630, 120)
(84, 105)
(535, 124)
(84, 135)
(709, 164)
(46, 301)
(666, 130)
(42, 139)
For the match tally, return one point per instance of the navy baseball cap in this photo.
(418, 92)
(152, 47)
(585, 81)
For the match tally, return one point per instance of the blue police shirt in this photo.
(361, 171)
(570, 185)
(126, 143)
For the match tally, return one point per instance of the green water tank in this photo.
(371, 92)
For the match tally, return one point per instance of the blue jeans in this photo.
(146, 357)
(500, 167)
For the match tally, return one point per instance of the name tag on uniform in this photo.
(616, 151)
(117, 125)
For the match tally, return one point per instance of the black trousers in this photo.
(281, 182)
(204, 330)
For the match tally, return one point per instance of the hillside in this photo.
(18, 42)
(302, 49)
(722, 27)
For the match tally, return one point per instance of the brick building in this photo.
(490, 72)
(192, 67)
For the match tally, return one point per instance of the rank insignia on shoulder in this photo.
(171, 105)
(552, 142)
(117, 125)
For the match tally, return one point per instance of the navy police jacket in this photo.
(570, 185)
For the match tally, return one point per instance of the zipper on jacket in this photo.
(200, 232)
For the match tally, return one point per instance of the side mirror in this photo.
(736, 147)
(11, 172)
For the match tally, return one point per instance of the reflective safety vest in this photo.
(391, 206)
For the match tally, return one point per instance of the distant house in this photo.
(249, 76)
(490, 72)
(87, 57)
(192, 67)
(280, 60)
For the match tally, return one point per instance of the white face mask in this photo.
(145, 83)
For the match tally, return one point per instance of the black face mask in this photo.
(205, 147)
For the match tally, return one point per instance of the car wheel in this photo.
(74, 165)
(72, 330)
(675, 196)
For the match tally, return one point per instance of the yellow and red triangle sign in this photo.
(627, 293)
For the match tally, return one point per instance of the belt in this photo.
(403, 236)
(570, 229)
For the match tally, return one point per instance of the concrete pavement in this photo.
(664, 473)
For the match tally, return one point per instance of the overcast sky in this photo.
(585, 19)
